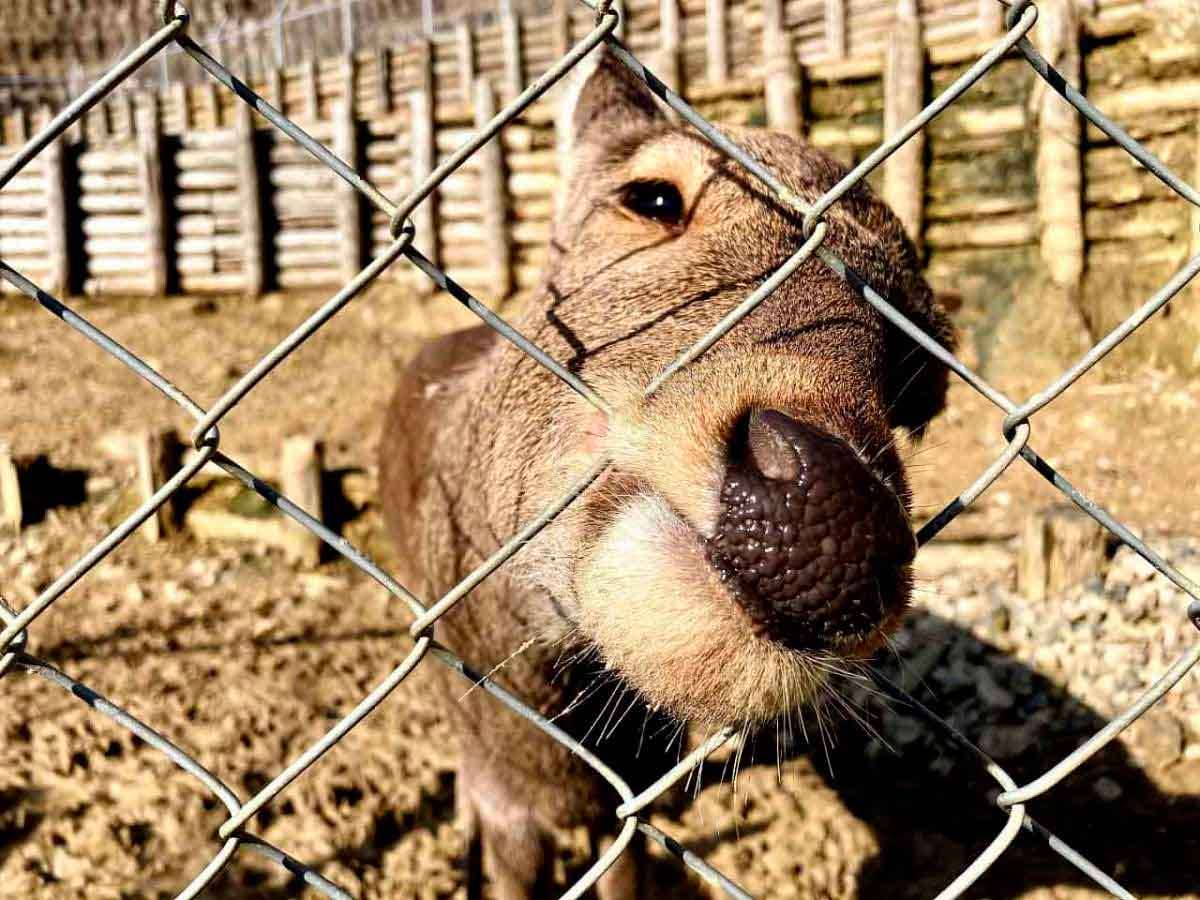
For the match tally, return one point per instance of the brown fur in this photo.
(480, 438)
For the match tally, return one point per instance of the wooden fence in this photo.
(186, 192)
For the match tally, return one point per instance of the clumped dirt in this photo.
(245, 659)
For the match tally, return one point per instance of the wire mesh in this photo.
(16, 653)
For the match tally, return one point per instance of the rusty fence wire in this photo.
(1016, 426)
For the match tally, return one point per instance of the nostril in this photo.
(813, 541)
(764, 441)
(777, 446)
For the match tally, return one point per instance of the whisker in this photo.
(918, 449)
(496, 668)
(598, 682)
(600, 715)
(856, 714)
(633, 701)
(646, 713)
(826, 741)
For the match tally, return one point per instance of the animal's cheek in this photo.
(593, 433)
(660, 616)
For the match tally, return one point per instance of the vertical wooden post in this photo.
(300, 474)
(12, 509)
(157, 458)
(210, 91)
(383, 85)
(835, 29)
(349, 205)
(274, 89)
(561, 23)
(154, 206)
(514, 65)
(99, 125)
(266, 62)
(423, 152)
(465, 42)
(903, 87)
(348, 71)
(349, 31)
(716, 28)
(124, 115)
(22, 121)
(179, 96)
(669, 66)
(249, 200)
(249, 59)
(1060, 547)
(76, 132)
(20, 130)
(782, 86)
(309, 90)
(58, 244)
(990, 18)
(493, 194)
(1059, 158)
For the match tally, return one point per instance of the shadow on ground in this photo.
(932, 811)
(19, 817)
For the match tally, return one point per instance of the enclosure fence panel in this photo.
(18, 649)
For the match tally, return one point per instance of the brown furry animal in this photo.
(752, 531)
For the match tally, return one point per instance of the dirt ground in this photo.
(245, 659)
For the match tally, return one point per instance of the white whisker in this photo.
(496, 668)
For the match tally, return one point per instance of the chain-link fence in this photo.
(292, 33)
(16, 654)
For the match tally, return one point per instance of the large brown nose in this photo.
(813, 543)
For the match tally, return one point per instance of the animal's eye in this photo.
(657, 200)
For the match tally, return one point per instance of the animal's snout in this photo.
(811, 542)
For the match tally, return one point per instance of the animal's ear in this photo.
(917, 382)
(613, 100)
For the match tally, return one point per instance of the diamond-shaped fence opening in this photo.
(16, 653)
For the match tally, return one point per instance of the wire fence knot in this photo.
(401, 227)
(15, 646)
(171, 11)
(1012, 16)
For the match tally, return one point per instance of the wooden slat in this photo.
(349, 200)
(150, 173)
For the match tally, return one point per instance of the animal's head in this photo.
(754, 528)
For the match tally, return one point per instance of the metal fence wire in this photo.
(15, 652)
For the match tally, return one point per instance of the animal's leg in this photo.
(517, 852)
(622, 881)
(468, 820)
(518, 857)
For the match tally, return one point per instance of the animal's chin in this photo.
(662, 616)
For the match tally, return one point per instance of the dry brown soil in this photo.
(245, 660)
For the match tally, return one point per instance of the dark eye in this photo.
(657, 200)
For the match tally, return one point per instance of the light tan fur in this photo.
(698, 643)
(626, 609)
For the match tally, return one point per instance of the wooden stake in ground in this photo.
(11, 509)
(300, 475)
(1060, 547)
(157, 457)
